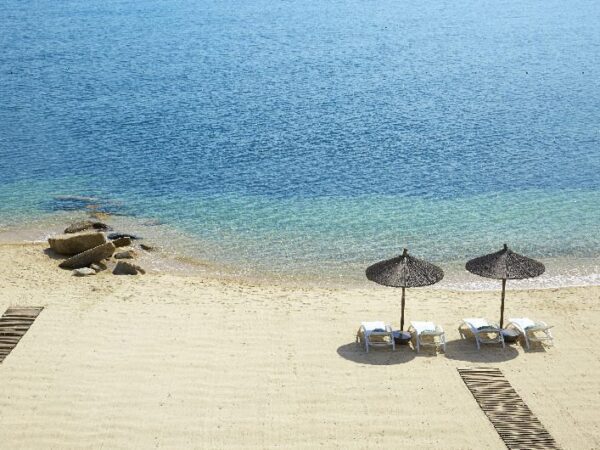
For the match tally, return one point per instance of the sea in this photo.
(305, 140)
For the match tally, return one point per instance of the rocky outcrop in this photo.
(90, 256)
(127, 254)
(122, 242)
(73, 244)
(83, 272)
(127, 268)
(86, 225)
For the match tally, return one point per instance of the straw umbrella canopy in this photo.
(404, 271)
(505, 265)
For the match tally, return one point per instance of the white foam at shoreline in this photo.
(176, 255)
(552, 282)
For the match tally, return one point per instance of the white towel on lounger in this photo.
(423, 326)
(370, 327)
(477, 323)
(523, 322)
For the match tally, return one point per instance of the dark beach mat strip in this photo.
(513, 420)
(14, 323)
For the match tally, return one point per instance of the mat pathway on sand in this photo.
(14, 323)
(518, 427)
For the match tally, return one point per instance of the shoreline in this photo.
(160, 265)
(171, 257)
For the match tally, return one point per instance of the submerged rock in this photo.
(83, 272)
(70, 202)
(94, 206)
(72, 244)
(146, 247)
(127, 268)
(113, 236)
(86, 225)
(122, 242)
(127, 254)
(93, 255)
(152, 222)
(99, 215)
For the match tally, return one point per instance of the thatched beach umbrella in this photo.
(404, 271)
(505, 265)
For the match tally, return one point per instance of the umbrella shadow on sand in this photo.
(376, 357)
(534, 347)
(466, 350)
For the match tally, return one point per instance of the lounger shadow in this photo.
(464, 350)
(382, 357)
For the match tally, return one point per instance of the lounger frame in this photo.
(438, 333)
(528, 333)
(365, 336)
(482, 335)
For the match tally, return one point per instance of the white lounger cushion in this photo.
(420, 327)
(523, 322)
(370, 327)
(477, 322)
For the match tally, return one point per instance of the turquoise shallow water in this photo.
(304, 139)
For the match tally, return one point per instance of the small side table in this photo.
(510, 336)
(402, 337)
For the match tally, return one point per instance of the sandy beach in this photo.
(168, 361)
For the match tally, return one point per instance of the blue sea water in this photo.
(310, 137)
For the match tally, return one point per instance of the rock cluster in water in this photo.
(86, 225)
(88, 250)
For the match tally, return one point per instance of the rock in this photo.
(127, 268)
(122, 242)
(98, 266)
(84, 271)
(70, 202)
(90, 256)
(146, 247)
(152, 222)
(72, 244)
(99, 215)
(86, 225)
(128, 254)
(113, 236)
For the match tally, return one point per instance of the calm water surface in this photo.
(309, 138)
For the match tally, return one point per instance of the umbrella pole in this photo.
(502, 305)
(402, 316)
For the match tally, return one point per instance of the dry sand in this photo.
(183, 362)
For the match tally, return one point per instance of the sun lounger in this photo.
(425, 334)
(483, 331)
(375, 334)
(528, 329)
